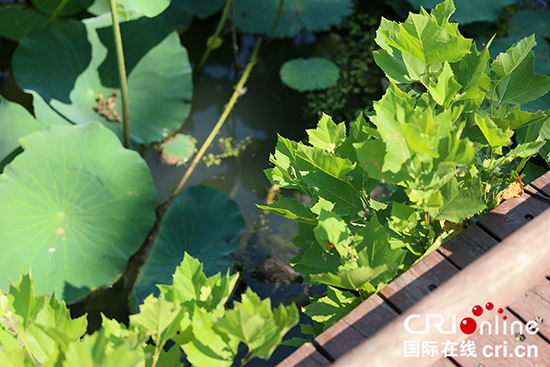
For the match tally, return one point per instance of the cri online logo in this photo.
(468, 325)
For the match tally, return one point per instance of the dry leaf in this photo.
(514, 190)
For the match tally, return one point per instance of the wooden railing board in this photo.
(339, 339)
(305, 356)
(542, 184)
(535, 304)
(419, 281)
(467, 246)
(511, 215)
(379, 314)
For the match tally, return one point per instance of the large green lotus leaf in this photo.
(69, 71)
(200, 8)
(203, 222)
(15, 122)
(309, 74)
(129, 9)
(253, 16)
(71, 7)
(17, 21)
(469, 11)
(75, 206)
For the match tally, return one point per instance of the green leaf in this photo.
(200, 8)
(394, 107)
(71, 7)
(373, 243)
(461, 201)
(421, 37)
(81, 65)
(496, 137)
(417, 140)
(446, 88)
(517, 119)
(178, 149)
(355, 279)
(371, 158)
(331, 308)
(328, 135)
(332, 231)
(203, 222)
(291, 209)
(309, 74)
(87, 353)
(17, 21)
(15, 358)
(15, 122)
(210, 348)
(159, 318)
(76, 205)
(345, 198)
(311, 15)
(324, 161)
(129, 9)
(513, 80)
(191, 287)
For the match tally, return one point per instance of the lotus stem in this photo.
(213, 38)
(236, 94)
(121, 75)
(276, 23)
(56, 12)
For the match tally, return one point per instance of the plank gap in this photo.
(322, 351)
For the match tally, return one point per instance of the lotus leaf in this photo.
(75, 73)
(254, 16)
(203, 222)
(178, 149)
(17, 21)
(70, 7)
(75, 206)
(200, 8)
(130, 9)
(15, 122)
(309, 74)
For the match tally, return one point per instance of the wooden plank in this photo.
(500, 276)
(511, 215)
(467, 246)
(419, 281)
(370, 316)
(339, 339)
(488, 357)
(535, 305)
(542, 184)
(305, 356)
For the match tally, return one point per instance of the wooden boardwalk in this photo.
(429, 274)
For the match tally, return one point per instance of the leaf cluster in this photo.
(440, 140)
(190, 313)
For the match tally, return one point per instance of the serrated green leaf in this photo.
(461, 201)
(331, 308)
(496, 137)
(446, 88)
(371, 158)
(421, 37)
(513, 80)
(345, 198)
(330, 164)
(291, 209)
(14, 357)
(518, 119)
(295, 342)
(417, 140)
(357, 278)
(24, 305)
(159, 318)
(332, 231)
(328, 135)
(208, 347)
(86, 353)
(394, 107)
